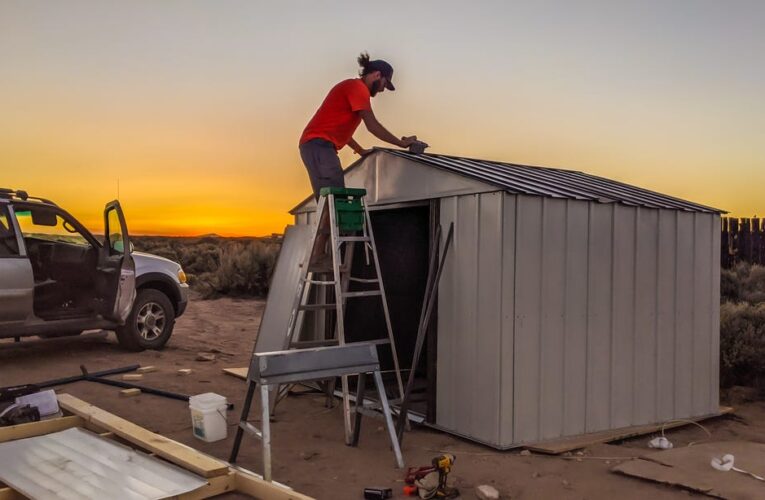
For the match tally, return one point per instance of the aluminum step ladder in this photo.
(349, 224)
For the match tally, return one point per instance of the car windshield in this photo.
(46, 224)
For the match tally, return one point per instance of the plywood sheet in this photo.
(555, 447)
(689, 468)
(76, 463)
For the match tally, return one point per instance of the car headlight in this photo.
(181, 276)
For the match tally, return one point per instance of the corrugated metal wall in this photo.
(559, 317)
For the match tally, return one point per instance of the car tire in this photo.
(150, 323)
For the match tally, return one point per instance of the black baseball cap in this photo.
(385, 70)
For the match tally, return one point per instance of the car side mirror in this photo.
(43, 217)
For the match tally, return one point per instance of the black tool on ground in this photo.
(19, 414)
(127, 385)
(431, 292)
(78, 378)
(11, 393)
(377, 493)
(428, 487)
(98, 377)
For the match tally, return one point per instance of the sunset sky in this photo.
(195, 107)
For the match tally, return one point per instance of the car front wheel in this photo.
(150, 323)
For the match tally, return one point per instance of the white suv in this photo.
(57, 279)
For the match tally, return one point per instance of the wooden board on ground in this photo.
(236, 372)
(558, 446)
(80, 414)
(689, 468)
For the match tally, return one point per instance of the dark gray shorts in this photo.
(323, 164)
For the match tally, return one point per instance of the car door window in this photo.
(9, 245)
(46, 224)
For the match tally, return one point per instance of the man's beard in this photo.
(376, 87)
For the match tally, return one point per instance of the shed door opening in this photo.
(402, 239)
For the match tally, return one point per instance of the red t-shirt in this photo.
(337, 117)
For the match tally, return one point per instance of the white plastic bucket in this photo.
(208, 416)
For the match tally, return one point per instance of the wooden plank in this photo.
(33, 429)
(215, 486)
(237, 372)
(559, 446)
(10, 494)
(251, 484)
(170, 450)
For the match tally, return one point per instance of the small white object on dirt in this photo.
(525, 453)
(130, 392)
(725, 464)
(133, 376)
(147, 369)
(486, 492)
(661, 443)
(205, 356)
(184, 371)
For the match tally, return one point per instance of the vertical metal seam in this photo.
(562, 430)
(611, 319)
(477, 283)
(587, 317)
(633, 326)
(715, 268)
(675, 311)
(501, 315)
(540, 319)
(515, 311)
(657, 260)
(693, 320)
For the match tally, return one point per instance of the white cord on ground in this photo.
(725, 464)
(660, 442)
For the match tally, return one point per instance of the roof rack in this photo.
(17, 194)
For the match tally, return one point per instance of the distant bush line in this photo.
(217, 266)
(742, 326)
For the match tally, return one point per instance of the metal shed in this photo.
(569, 303)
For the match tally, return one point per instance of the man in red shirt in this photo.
(333, 125)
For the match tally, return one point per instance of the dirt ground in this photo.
(308, 450)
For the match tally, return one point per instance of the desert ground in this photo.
(308, 450)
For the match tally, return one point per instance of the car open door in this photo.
(117, 266)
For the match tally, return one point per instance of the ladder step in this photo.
(364, 280)
(368, 293)
(251, 429)
(316, 307)
(319, 282)
(354, 238)
(305, 344)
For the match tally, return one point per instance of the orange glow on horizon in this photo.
(194, 110)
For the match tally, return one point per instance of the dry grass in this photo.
(219, 266)
(742, 326)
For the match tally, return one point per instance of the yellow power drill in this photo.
(425, 481)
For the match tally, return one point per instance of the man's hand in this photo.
(357, 148)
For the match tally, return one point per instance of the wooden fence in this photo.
(743, 240)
